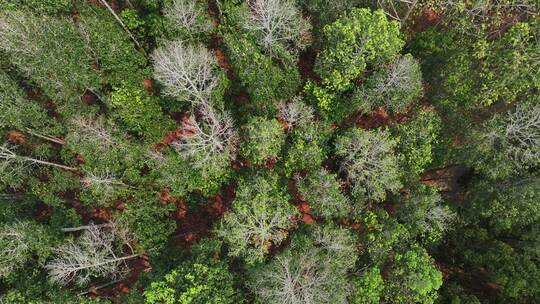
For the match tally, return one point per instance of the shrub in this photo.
(262, 140)
(322, 191)
(261, 217)
(369, 162)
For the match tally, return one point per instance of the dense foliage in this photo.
(269, 151)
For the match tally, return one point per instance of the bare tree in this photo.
(92, 130)
(520, 131)
(186, 14)
(399, 84)
(399, 10)
(279, 22)
(14, 247)
(9, 158)
(212, 137)
(103, 184)
(94, 254)
(186, 71)
(369, 162)
(523, 131)
(308, 272)
(295, 113)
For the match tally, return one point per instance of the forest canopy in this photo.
(269, 151)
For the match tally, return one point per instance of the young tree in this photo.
(279, 23)
(96, 253)
(263, 139)
(369, 162)
(313, 269)
(261, 217)
(321, 189)
(187, 71)
(308, 148)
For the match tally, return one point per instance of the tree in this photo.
(94, 254)
(321, 189)
(51, 53)
(414, 278)
(369, 162)
(187, 71)
(140, 112)
(312, 270)
(308, 148)
(279, 23)
(265, 80)
(261, 217)
(425, 214)
(395, 86)
(352, 42)
(368, 287)
(263, 139)
(16, 111)
(509, 144)
(417, 142)
(194, 282)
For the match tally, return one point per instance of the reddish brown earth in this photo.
(16, 137)
(378, 118)
(428, 18)
(193, 225)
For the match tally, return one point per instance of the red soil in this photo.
(15, 137)
(428, 18)
(380, 117)
(177, 134)
(193, 225)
